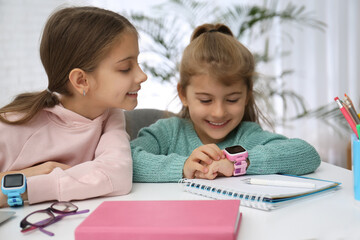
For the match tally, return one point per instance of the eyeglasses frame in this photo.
(53, 219)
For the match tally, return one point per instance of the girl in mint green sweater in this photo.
(219, 111)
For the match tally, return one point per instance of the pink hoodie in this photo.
(98, 151)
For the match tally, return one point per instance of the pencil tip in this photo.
(245, 180)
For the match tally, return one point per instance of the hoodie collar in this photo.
(66, 117)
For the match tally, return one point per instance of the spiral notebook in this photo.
(257, 196)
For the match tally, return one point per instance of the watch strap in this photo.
(239, 168)
(14, 199)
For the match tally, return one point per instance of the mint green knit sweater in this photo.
(160, 151)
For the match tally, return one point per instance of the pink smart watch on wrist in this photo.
(238, 155)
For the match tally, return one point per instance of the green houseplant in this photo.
(169, 27)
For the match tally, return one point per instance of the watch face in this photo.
(13, 180)
(235, 149)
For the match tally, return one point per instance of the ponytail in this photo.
(210, 28)
(29, 104)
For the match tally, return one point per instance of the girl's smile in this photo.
(132, 94)
(217, 124)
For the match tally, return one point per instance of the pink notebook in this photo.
(186, 219)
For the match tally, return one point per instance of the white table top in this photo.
(334, 215)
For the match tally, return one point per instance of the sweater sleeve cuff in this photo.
(176, 169)
(42, 188)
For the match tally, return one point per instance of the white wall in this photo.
(20, 27)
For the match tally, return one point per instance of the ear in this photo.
(79, 81)
(182, 95)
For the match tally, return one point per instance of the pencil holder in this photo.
(355, 155)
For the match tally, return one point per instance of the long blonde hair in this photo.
(214, 50)
(74, 37)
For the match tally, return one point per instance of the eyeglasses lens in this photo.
(64, 207)
(40, 218)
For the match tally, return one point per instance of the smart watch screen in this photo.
(235, 149)
(13, 180)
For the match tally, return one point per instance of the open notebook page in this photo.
(237, 184)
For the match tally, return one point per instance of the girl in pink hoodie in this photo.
(70, 140)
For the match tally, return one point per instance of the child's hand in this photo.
(200, 158)
(226, 167)
(222, 167)
(212, 173)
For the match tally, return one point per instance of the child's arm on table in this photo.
(163, 152)
(108, 173)
(39, 169)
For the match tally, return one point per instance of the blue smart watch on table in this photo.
(13, 185)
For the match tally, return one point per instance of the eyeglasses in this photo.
(42, 218)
